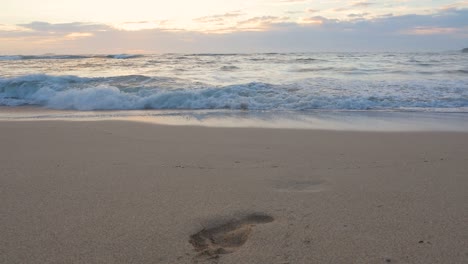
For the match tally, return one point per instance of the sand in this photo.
(128, 192)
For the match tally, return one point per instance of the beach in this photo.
(233, 132)
(132, 192)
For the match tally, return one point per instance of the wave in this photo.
(229, 68)
(316, 69)
(144, 92)
(43, 57)
(307, 60)
(458, 71)
(68, 57)
(214, 54)
(124, 56)
(13, 57)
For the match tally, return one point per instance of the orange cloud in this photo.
(431, 30)
(312, 20)
(260, 23)
(76, 35)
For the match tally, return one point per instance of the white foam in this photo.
(71, 92)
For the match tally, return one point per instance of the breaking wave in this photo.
(144, 92)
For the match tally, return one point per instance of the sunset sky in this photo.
(156, 26)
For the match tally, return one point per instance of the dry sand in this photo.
(123, 192)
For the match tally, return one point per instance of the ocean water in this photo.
(292, 83)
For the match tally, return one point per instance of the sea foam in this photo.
(145, 92)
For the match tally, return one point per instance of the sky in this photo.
(215, 26)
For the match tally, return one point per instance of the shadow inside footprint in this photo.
(228, 237)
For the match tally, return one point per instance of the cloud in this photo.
(454, 6)
(12, 28)
(141, 25)
(359, 15)
(293, 12)
(64, 27)
(218, 18)
(219, 23)
(76, 35)
(362, 4)
(434, 30)
(292, 1)
(310, 10)
(43, 35)
(354, 5)
(315, 20)
(362, 32)
(260, 23)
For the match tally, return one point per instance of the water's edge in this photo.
(317, 120)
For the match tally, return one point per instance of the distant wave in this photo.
(144, 92)
(229, 68)
(13, 57)
(316, 69)
(68, 57)
(124, 56)
(43, 57)
(213, 54)
(465, 71)
(307, 60)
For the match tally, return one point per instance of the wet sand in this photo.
(128, 192)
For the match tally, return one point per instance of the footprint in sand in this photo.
(228, 237)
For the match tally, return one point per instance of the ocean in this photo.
(267, 85)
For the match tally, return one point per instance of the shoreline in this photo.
(372, 121)
(120, 192)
